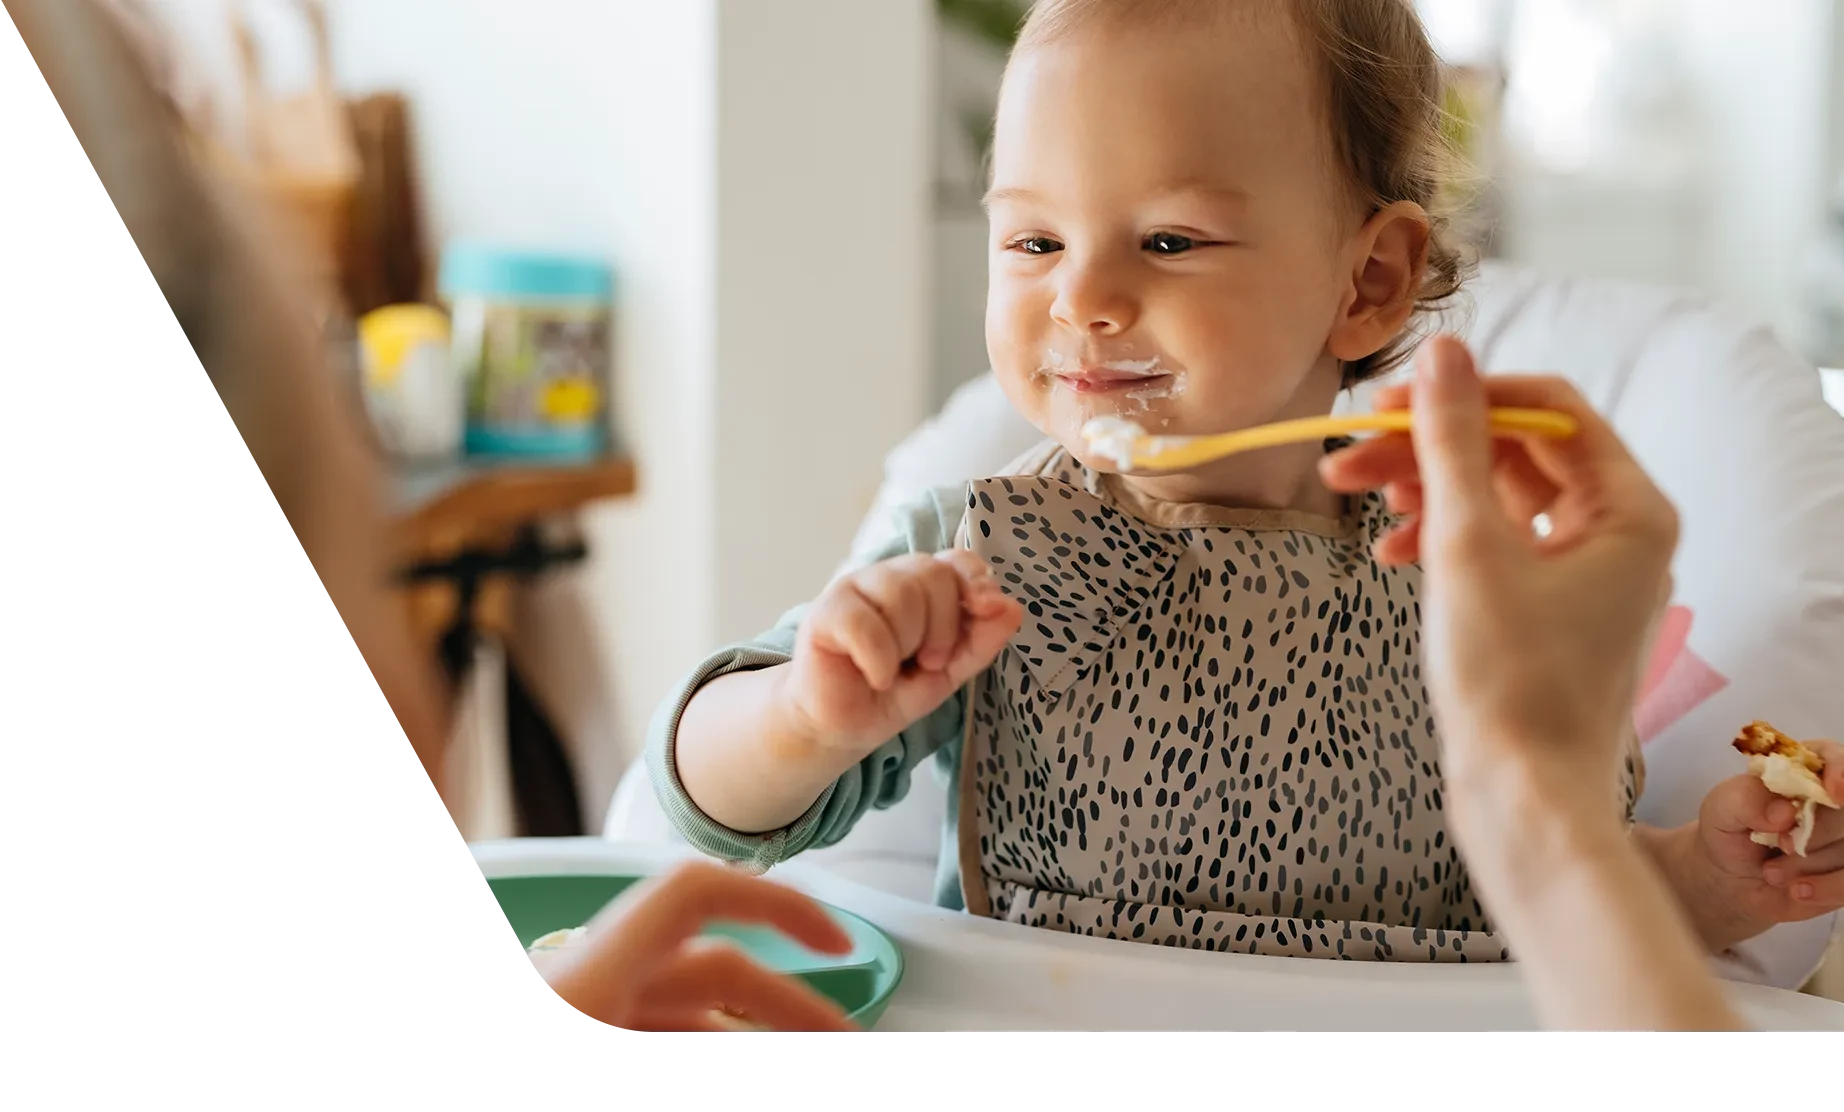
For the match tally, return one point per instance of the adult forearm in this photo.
(1602, 941)
(241, 309)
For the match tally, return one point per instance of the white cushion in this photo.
(1729, 422)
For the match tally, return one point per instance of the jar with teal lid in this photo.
(531, 336)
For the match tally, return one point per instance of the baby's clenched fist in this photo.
(886, 645)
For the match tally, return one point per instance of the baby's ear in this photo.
(1389, 255)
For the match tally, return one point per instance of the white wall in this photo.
(968, 73)
(1835, 100)
(513, 98)
(1765, 74)
(824, 116)
(1737, 216)
(757, 171)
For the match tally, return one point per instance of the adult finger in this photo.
(1453, 445)
(1594, 455)
(1523, 489)
(1390, 458)
(634, 935)
(1397, 395)
(717, 975)
(700, 1020)
(1405, 499)
(1594, 473)
(1400, 545)
(661, 912)
(1591, 452)
(1369, 464)
(1388, 463)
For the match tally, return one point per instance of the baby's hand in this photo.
(886, 645)
(1745, 887)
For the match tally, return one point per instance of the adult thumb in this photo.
(1453, 439)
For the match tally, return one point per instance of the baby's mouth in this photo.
(1115, 380)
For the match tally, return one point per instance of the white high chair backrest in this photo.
(1730, 423)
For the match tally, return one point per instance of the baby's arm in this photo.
(743, 759)
(750, 759)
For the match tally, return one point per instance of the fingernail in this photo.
(1804, 892)
(1779, 811)
(1773, 876)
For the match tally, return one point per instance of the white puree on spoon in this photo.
(1112, 438)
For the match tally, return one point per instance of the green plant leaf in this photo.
(996, 21)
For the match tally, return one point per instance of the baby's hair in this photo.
(1383, 99)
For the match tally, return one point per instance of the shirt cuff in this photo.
(755, 853)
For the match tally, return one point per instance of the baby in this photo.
(1179, 708)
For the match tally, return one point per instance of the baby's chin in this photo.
(1072, 432)
(1102, 444)
(1095, 461)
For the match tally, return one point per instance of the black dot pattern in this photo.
(1214, 737)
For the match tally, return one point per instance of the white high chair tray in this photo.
(965, 973)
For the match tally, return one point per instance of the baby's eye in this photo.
(1035, 245)
(1168, 243)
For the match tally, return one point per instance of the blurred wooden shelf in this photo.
(476, 518)
(444, 508)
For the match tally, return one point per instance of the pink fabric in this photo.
(1677, 681)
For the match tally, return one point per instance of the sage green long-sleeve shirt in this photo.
(927, 525)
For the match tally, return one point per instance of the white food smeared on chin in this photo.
(1112, 440)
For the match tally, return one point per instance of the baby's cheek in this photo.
(1026, 388)
(1228, 398)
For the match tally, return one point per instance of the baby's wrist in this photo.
(1704, 890)
(797, 744)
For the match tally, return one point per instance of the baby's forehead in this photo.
(1052, 21)
(1162, 103)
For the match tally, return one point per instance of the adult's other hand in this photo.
(642, 965)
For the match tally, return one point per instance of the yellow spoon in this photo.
(1126, 444)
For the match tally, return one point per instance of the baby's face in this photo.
(1169, 239)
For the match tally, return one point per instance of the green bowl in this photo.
(861, 982)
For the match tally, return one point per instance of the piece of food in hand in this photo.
(1790, 770)
(556, 940)
(726, 1020)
